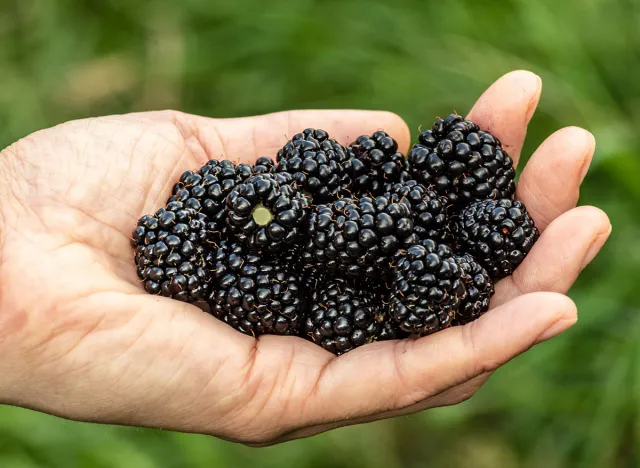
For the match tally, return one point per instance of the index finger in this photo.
(246, 138)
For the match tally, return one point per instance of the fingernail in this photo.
(595, 246)
(533, 104)
(584, 169)
(557, 328)
(587, 160)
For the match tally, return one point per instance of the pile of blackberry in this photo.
(343, 246)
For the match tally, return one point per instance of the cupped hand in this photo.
(80, 338)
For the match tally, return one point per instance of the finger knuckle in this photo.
(478, 361)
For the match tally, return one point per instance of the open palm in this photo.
(80, 338)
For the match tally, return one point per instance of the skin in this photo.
(79, 337)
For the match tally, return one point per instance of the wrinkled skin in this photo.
(80, 338)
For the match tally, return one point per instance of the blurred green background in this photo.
(571, 402)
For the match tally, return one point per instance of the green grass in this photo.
(572, 402)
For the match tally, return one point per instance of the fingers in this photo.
(395, 375)
(506, 108)
(567, 245)
(245, 139)
(550, 183)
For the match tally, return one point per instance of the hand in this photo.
(81, 339)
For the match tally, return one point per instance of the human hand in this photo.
(80, 338)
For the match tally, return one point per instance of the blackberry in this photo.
(212, 183)
(357, 237)
(375, 162)
(170, 249)
(462, 162)
(316, 163)
(430, 210)
(343, 316)
(265, 215)
(479, 289)
(428, 288)
(209, 186)
(255, 294)
(498, 233)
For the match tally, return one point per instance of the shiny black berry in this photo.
(209, 187)
(357, 237)
(427, 289)
(431, 211)
(255, 294)
(462, 162)
(316, 164)
(375, 161)
(170, 249)
(498, 233)
(265, 216)
(344, 316)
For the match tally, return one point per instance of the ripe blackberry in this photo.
(316, 163)
(265, 215)
(343, 316)
(170, 249)
(209, 186)
(357, 236)
(498, 233)
(254, 294)
(462, 162)
(479, 289)
(375, 162)
(430, 210)
(428, 288)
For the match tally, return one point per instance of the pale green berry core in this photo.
(261, 215)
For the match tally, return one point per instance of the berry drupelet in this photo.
(343, 316)
(264, 215)
(316, 163)
(390, 330)
(313, 278)
(375, 162)
(462, 162)
(430, 210)
(358, 237)
(170, 249)
(263, 165)
(498, 233)
(255, 294)
(479, 289)
(428, 288)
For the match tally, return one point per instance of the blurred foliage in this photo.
(572, 402)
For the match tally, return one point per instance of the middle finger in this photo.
(549, 184)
